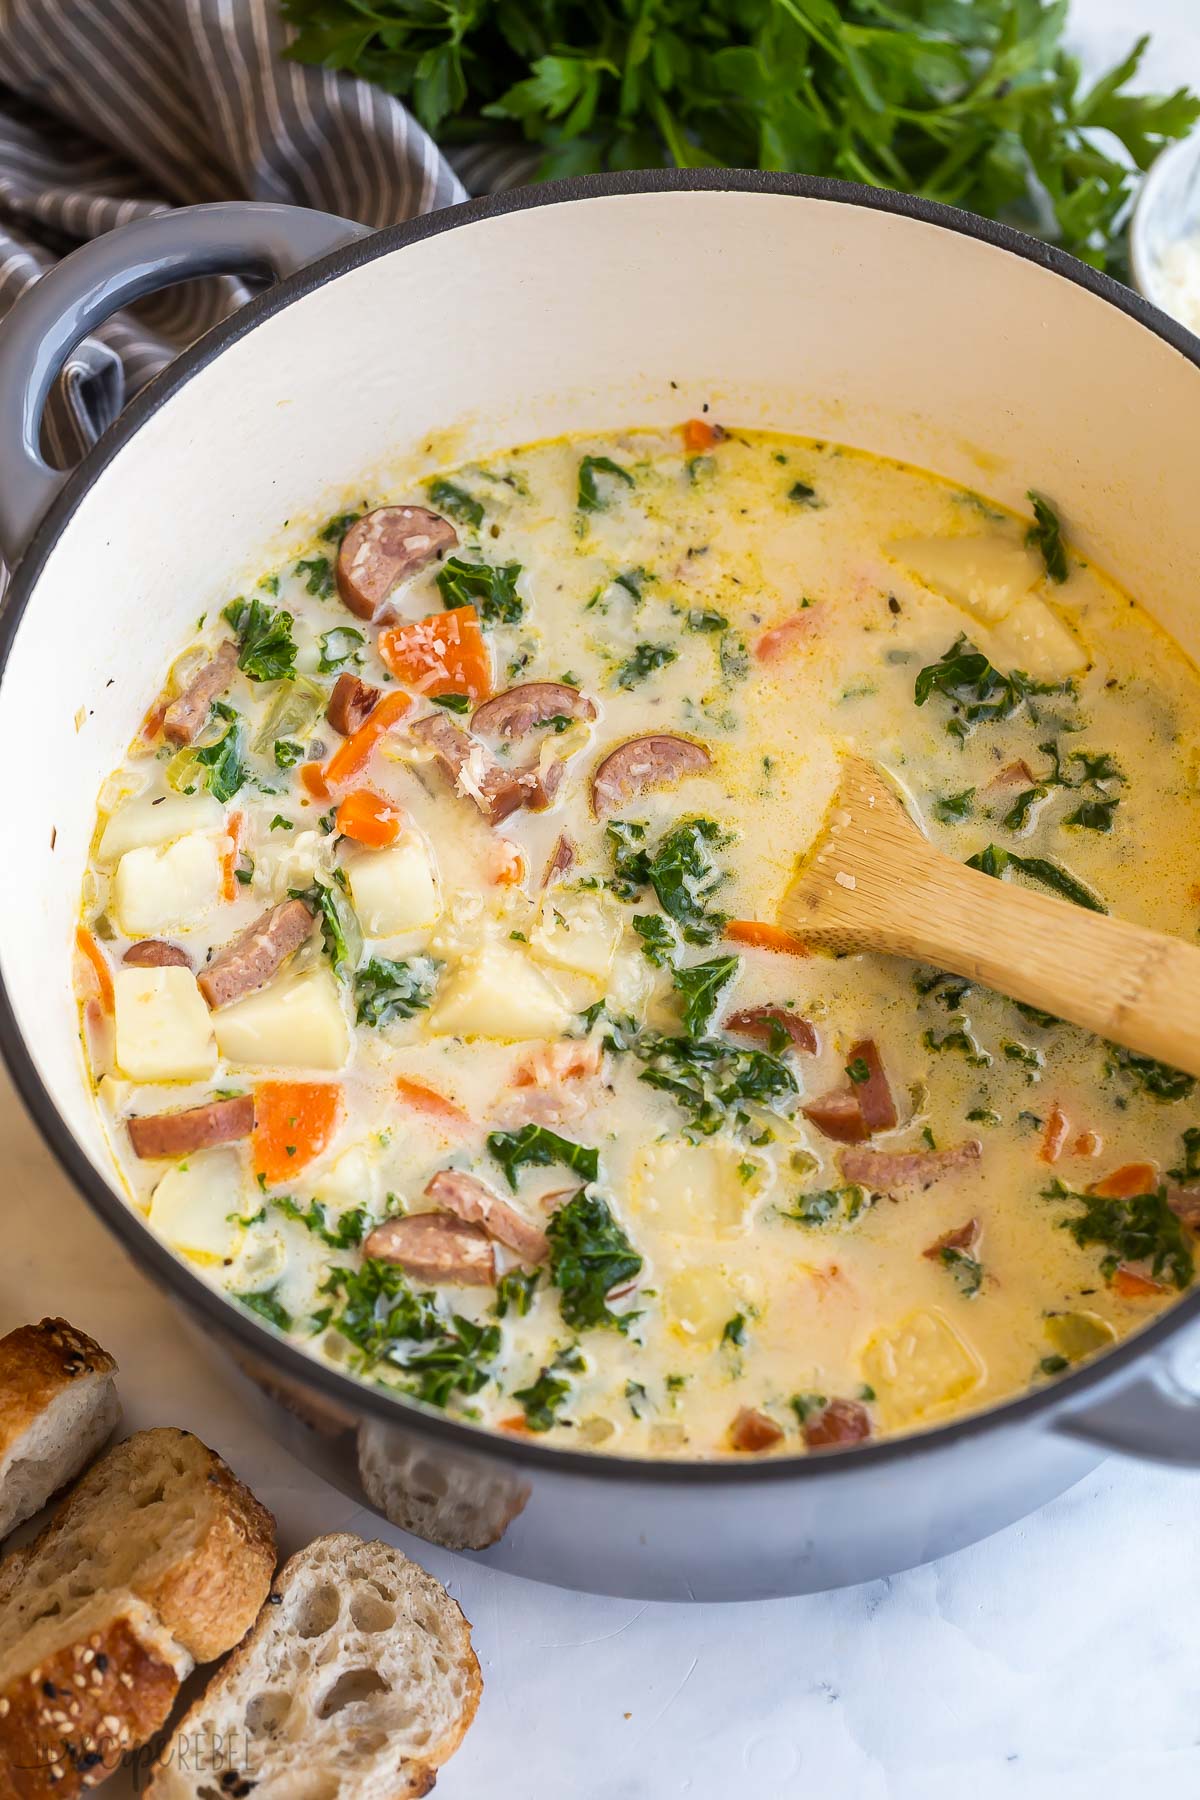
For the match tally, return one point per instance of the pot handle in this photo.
(259, 239)
(1152, 1412)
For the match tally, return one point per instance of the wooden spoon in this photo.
(872, 881)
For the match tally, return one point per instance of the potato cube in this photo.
(918, 1368)
(577, 932)
(497, 992)
(699, 1303)
(163, 1028)
(1034, 638)
(295, 1022)
(166, 887)
(984, 573)
(142, 823)
(692, 1189)
(191, 1206)
(395, 890)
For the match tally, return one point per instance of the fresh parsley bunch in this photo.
(974, 102)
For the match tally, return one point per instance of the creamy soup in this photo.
(431, 992)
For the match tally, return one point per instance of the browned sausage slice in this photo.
(196, 1128)
(519, 710)
(1185, 1204)
(351, 703)
(838, 1116)
(155, 953)
(874, 1096)
(186, 716)
(641, 763)
(752, 1430)
(757, 1021)
(431, 1247)
(474, 1201)
(838, 1422)
(474, 771)
(963, 1237)
(255, 955)
(885, 1170)
(383, 548)
(562, 860)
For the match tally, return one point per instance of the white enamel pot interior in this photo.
(826, 311)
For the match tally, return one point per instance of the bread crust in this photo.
(37, 1362)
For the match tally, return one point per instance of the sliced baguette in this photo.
(58, 1403)
(357, 1683)
(157, 1559)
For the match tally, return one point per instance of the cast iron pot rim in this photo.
(224, 1314)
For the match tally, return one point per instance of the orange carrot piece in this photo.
(1128, 1180)
(1055, 1135)
(1088, 1143)
(518, 1425)
(427, 1100)
(444, 654)
(229, 860)
(699, 435)
(354, 753)
(1132, 1286)
(766, 937)
(312, 779)
(97, 963)
(781, 638)
(369, 818)
(506, 864)
(293, 1122)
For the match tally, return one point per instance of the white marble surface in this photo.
(1059, 1661)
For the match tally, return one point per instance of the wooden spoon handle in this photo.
(1137, 987)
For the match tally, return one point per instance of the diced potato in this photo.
(166, 887)
(1079, 1334)
(395, 890)
(141, 824)
(191, 1206)
(1034, 638)
(699, 1303)
(577, 932)
(353, 1180)
(918, 1368)
(497, 992)
(692, 1189)
(984, 573)
(297, 1022)
(163, 1028)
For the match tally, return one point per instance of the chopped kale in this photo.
(636, 1395)
(335, 529)
(387, 1320)
(828, 1206)
(642, 662)
(542, 1401)
(959, 1038)
(965, 1268)
(221, 757)
(709, 1079)
(455, 703)
(535, 1145)
(1045, 534)
(952, 807)
(287, 754)
(1157, 1079)
(338, 647)
(318, 576)
(266, 651)
(700, 986)
(801, 494)
(455, 502)
(994, 861)
(858, 1071)
(343, 1234)
(1141, 1228)
(977, 691)
(590, 1255)
(735, 1331)
(591, 497)
(341, 933)
(705, 619)
(680, 872)
(1094, 815)
(267, 1305)
(515, 1291)
(386, 990)
(659, 943)
(1189, 1168)
(490, 588)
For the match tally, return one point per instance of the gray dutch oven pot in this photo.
(819, 307)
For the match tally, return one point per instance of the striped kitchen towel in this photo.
(114, 109)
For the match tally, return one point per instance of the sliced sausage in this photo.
(155, 953)
(1185, 1204)
(186, 716)
(351, 703)
(885, 1170)
(562, 860)
(496, 790)
(752, 1430)
(520, 710)
(1013, 774)
(963, 1237)
(757, 1021)
(473, 1200)
(839, 1422)
(255, 955)
(383, 548)
(874, 1096)
(641, 763)
(431, 1247)
(571, 1059)
(196, 1128)
(838, 1116)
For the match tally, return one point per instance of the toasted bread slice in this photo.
(357, 1683)
(58, 1403)
(158, 1558)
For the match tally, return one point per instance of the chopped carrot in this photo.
(444, 654)
(427, 1100)
(766, 937)
(152, 723)
(1132, 1286)
(293, 1122)
(352, 756)
(506, 864)
(1088, 1143)
(1127, 1181)
(699, 435)
(229, 860)
(515, 1424)
(782, 637)
(98, 968)
(312, 778)
(369, 818)
(1055, 1135)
